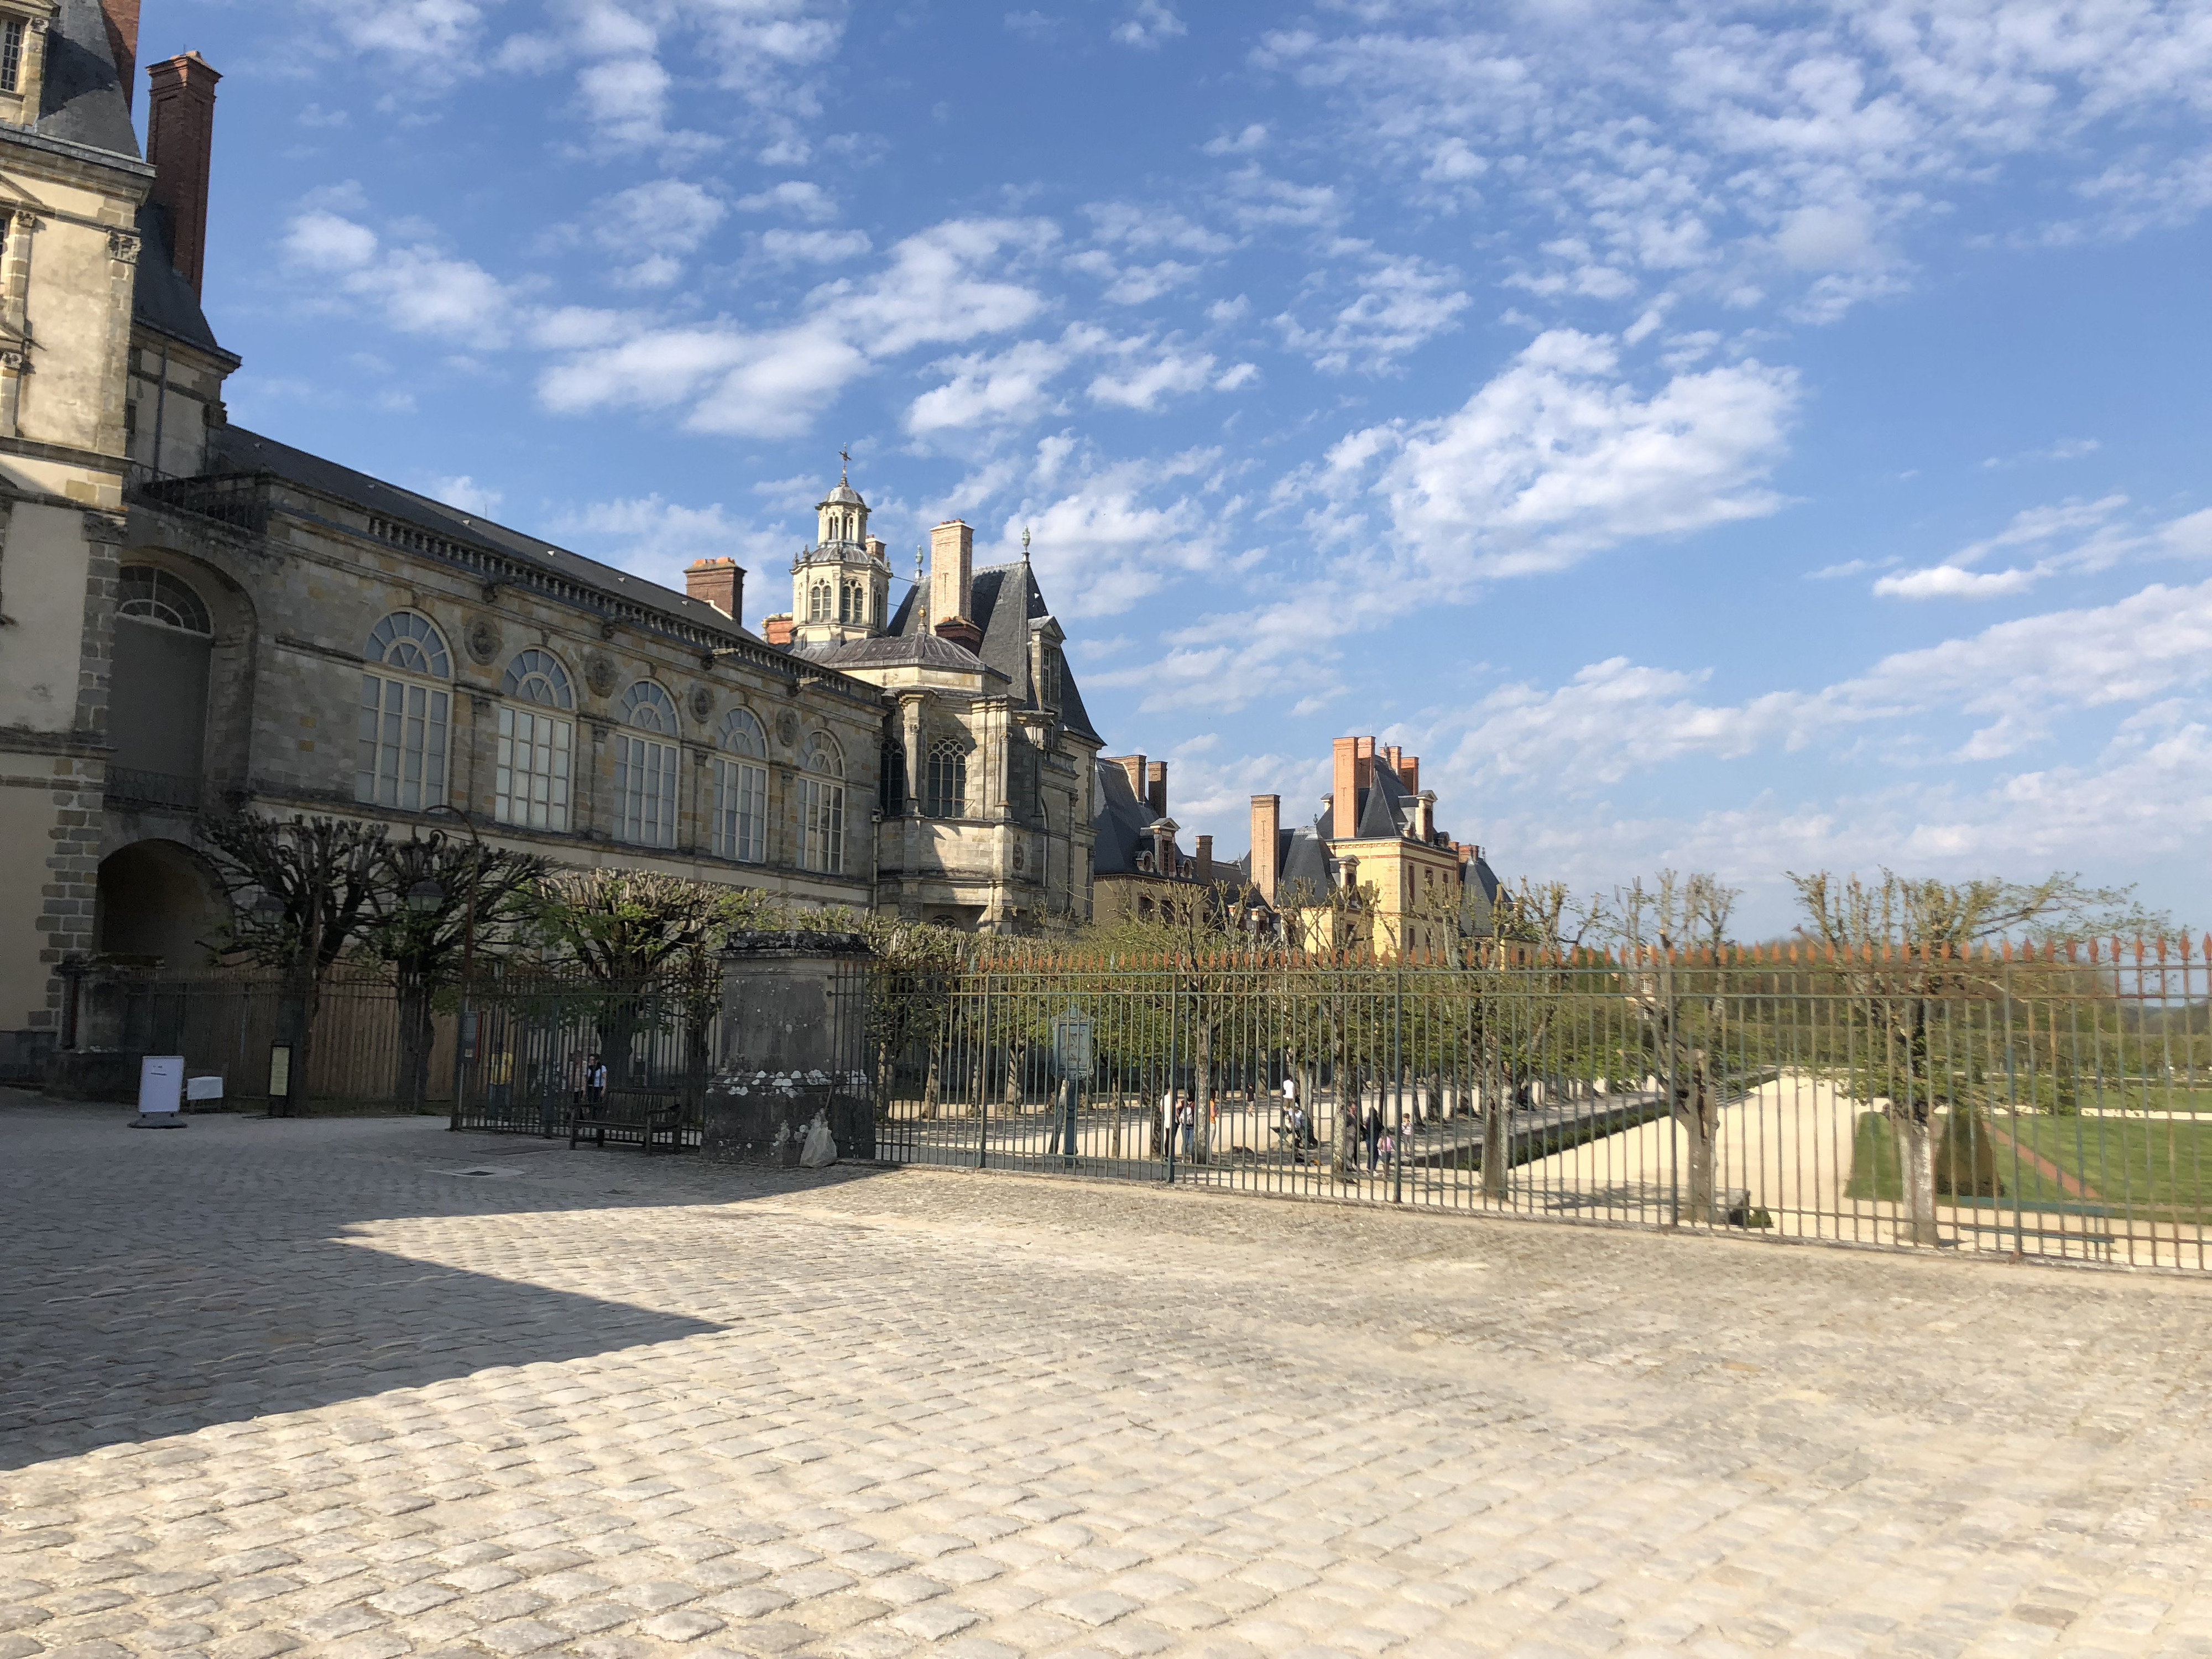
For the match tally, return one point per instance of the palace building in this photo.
(985, 767)
(195, 619)
(1373, 868)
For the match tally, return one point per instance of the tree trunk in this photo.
(929, 1103)
(1497, 1097)
(1918, 1170)
(1014, 1052)
(1201, 1065)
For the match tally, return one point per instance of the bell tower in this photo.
(841, 587)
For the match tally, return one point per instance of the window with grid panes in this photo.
(740, 776)
(406, 714)
(646, 769)
(537, 730)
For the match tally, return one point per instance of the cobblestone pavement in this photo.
(272, 1387)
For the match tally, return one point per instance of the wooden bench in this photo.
(647, 1116)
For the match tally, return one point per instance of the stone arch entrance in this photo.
(156, 898)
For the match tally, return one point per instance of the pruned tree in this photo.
(1515, 996)
(426, 894)
(1898, 947)
(1658, 926)
(300, 891)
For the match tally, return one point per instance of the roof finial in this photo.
(845, 462)
(1026, 543)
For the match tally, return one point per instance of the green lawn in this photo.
(2146, 1169)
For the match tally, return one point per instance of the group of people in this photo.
(1178, 1127)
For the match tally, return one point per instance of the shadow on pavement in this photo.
(160, 1281)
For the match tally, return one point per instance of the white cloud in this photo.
(437, 40)
(1948, 581)
(801, 197)
(1142, 384)
(417, 290)
(656, 223)
(1245, 141)
(939, 287)
(1558, 457)
(1402, 302)
(1149, 25)
(468, 495)
(821, 247)
(987, 389)
(1107, 533)
(655, 538)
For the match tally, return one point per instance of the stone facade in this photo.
(986, 764)
(1372, 869)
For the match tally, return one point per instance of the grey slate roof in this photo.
(82, 101)
(235, 450)
(892, 650)
(1385, 807)
(1123, 820)
(1302, 860)
(1003, 600)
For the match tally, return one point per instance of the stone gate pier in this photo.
(793, 1043)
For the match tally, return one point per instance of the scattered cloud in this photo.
(1149, 25)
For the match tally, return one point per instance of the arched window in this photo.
(152, 595)
(891, 778)
(844, 602)
(821, 805)
(646, 768)
(947, 788)
(818, 603)
(404, 714)
(535, 736)
(740, 826)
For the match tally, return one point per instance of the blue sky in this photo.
(1744, 438)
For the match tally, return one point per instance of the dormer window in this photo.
(11, 55)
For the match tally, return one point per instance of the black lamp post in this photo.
(463, 1036)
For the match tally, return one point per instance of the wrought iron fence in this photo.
(2054, 1104)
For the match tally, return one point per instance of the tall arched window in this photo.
(157, 687)
(821, 805)
(404, 713)
(645, 768)
(891, 778)
(818, 603)
(740, 827)
(535, 732)
(947, 789)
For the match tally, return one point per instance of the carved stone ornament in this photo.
(123, 244)
(786, 729)
(483, 640)
(599, 675)
(101, 527)
(702, 703)
(1021, 858)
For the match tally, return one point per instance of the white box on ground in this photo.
(202, 1088)
(160, 1084)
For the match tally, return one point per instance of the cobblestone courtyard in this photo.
(300, 1387)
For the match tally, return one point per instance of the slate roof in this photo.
(1004, 600)
(893, 650)
(82, 103)
(83, 100)
(234, 449)
(1123, 820)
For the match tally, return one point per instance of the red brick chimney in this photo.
(179, 140)
(1203, 860)
(1344, 794)
(720, 583)
(1267, 825)
(121, 17)
(777, 630)
(1133, 768)
(1409, 772)
(1156, 787)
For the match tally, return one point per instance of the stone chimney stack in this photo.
(720, 583)
(179, 142)
(121, 17)
(1202, 859)
(1156, 787)
(1266, 827)
(951, 572)
(1344, 795)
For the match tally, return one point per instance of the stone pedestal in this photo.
(794, 1008)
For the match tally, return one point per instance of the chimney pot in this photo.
(179, 142)
(719, 583)
(777, 630)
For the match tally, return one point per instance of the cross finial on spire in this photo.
(845, 464)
